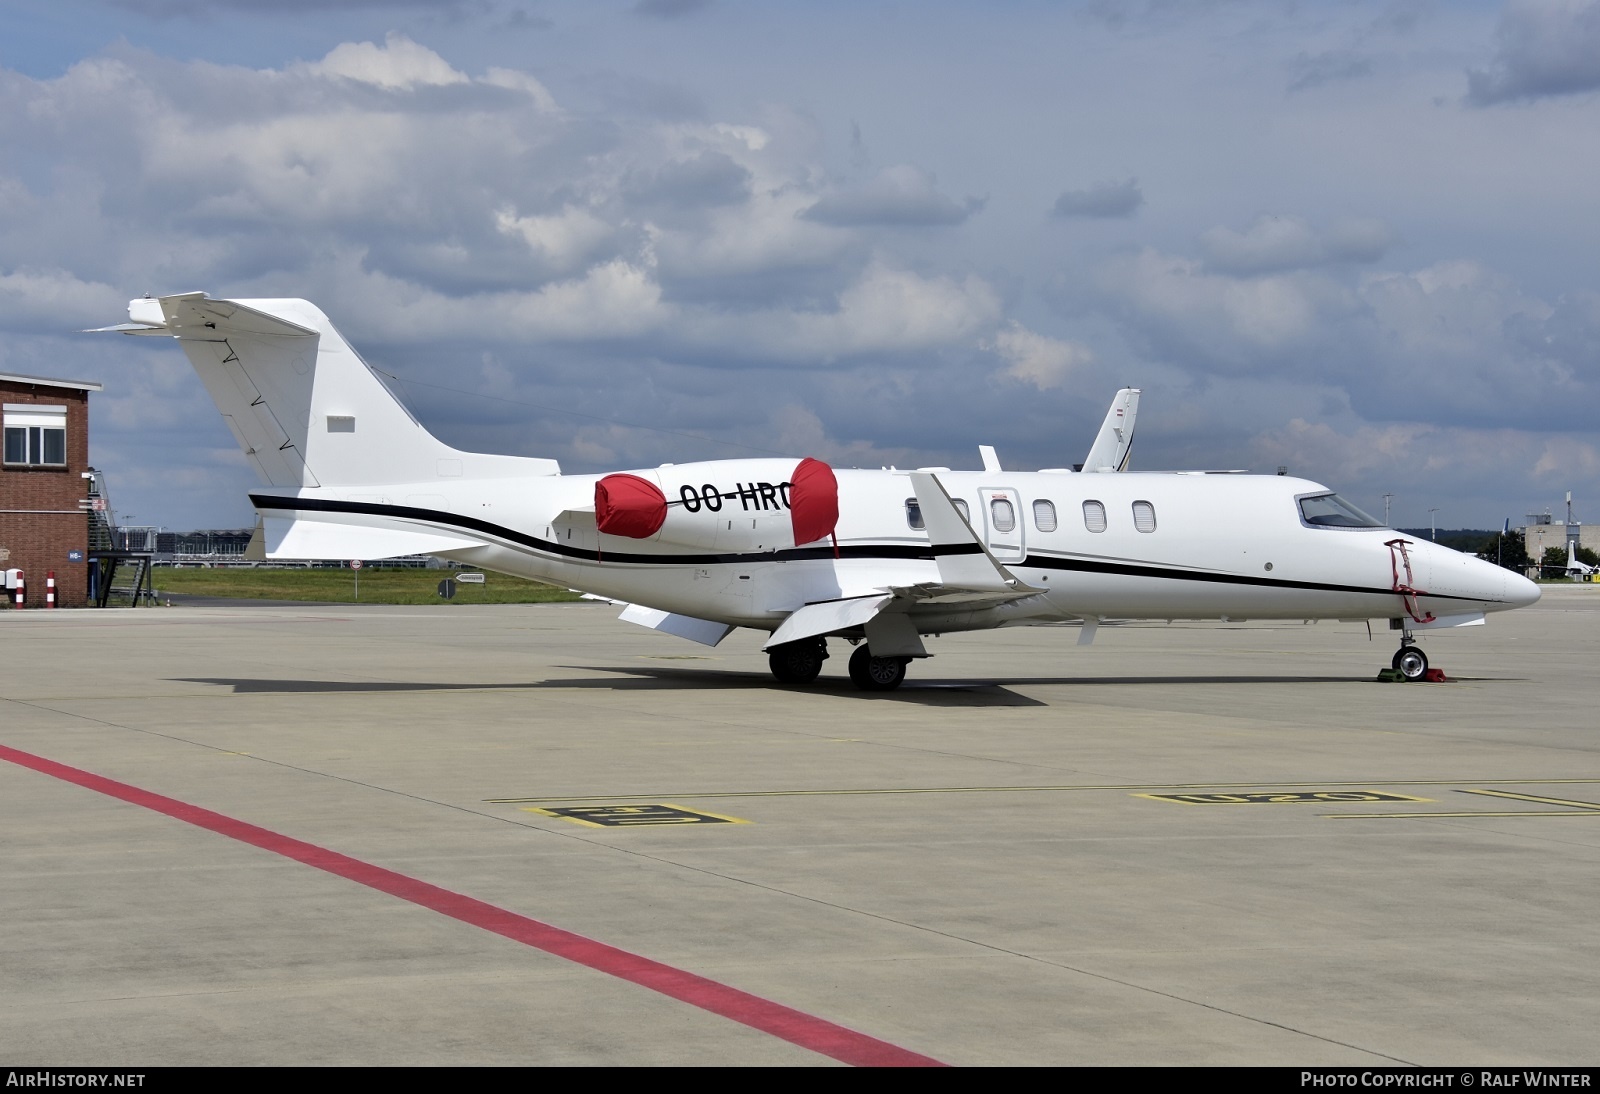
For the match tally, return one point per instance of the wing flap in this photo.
(828, 616)
(707, 632)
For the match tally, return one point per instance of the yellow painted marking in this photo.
(1576, 808)
(634, 815)
(1478, 813)
(1285, 797)
(1534, 798)
(1055, 789)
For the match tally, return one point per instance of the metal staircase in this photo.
(117, 576)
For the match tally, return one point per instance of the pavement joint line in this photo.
(1020, 789)
(1576, 808)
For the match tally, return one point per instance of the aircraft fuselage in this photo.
(1203, 546)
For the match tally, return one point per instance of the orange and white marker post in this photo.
(50, 589)
(20, 584)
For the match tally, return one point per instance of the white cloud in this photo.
(1037, 359)
(563, 241)
(902, 195)
(1235, 324)
(398, 65)
(896, 310)
(1275, 243)
(1568, 459)
(55, 300)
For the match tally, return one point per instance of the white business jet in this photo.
(879, 558)
(1576, 569)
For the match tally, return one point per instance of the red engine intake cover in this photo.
(813, 501)
(626, 505)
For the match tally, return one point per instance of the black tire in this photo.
(797, 662)
(1410, 662)
(871, 673)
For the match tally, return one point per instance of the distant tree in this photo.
(1588, 557)
(1554, 562)
(1510, 550)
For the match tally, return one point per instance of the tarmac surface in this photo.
(312, 835)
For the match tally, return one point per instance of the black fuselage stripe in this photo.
(795, 554)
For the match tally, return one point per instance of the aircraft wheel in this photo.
(871, 673)
(798, 662)
(1410, 662)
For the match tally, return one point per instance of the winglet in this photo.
(964, 562)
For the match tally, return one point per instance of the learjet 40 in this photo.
(792, 547)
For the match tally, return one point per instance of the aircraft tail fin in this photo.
(303, 405)
(1114, 442)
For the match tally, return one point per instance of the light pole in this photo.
(1433, 527)
(1386, 498)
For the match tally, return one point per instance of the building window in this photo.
(914, 514)
(35, 435)
(1094, 516)
(1003, 513)
(1144, 516)
(1044, 515)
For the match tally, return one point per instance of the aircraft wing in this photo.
(969, 577)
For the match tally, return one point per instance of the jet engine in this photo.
(750, 505)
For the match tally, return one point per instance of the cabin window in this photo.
(1094, 516)
(914, 514)
(1044, 515)
(1144, 516)
(961, 507)
(1004, 515)
(35, 435)
(1332, 511)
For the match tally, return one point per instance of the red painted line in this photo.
(796, 1027)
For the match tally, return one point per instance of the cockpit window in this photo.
(1332, 511)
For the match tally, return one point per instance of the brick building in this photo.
(42, 485)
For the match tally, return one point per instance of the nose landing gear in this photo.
(1409, 661)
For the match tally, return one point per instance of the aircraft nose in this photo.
(1453, 573)
(1520, 592)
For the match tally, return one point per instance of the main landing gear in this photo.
(798, 662)
(801, 662)
(871, 673)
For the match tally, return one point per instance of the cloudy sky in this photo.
(1358, 239)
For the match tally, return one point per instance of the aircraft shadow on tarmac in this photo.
(932, 693)
(937, 693)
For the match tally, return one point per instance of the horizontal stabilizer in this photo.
(707, 632)
(287, 538)
(827, 617)
(130, 328)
